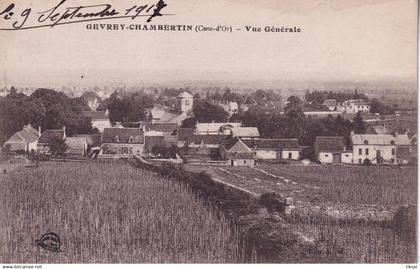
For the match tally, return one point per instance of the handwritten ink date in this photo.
(63, 14)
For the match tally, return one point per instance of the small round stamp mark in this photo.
(50, 242)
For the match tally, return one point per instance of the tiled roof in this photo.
(330, 143)
(236, 145)
(49, 135)
(76, 142)
(110, 134)
(165, 127)
(380, 139)
(261, 143)
(245, 131)
(96, 115)
(185, 95)
(214, 127)
(26, 135)
(208, 139)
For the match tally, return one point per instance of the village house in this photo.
(230, 107)
(244, 132)
(76, 146)
(24, 140)
(236, 153)
(354, 106)
(378, 148)
(100, 119)
(331, 104)
(183, 110)
(332, 149)
(153, 139)
(215, 128)
(275, 149)
(49, 136)
(122, 141)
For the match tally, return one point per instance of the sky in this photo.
(352, 40)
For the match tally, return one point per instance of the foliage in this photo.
(46, 108)
(165, 151)
(206, 112)
(189, 123)
(358, 124)
(320, 96)
(57, 146)
(126, 107)
(377, 107)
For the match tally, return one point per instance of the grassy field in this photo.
(355, 184)
(108, 213)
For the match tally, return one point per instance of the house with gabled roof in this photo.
(99, 119)
(275, 149)
(237, 153)
(24, 140)
(379, 148)
(122, 142)
(47, 137)
(332, 149)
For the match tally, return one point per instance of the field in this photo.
(372, 185)
(108, 213)
(352, 195)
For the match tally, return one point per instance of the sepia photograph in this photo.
(208, 132)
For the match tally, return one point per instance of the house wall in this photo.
(101, 124)
(43, 148)
(295, 154)
(262, 154)
(243, 162)
(325, 157)
(386, 153)
(186, 104)
(347, 157)
(118, 148)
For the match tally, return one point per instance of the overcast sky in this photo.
(340, 40)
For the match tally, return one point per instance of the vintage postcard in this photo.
(223, 131)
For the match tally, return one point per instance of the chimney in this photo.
(39, 130)
(64, 129)
(352, 132)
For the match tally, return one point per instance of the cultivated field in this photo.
(108, 213)
(359, 205)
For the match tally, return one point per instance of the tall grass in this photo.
(356, 184)
(107, 213)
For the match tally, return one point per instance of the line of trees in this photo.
(46, 108)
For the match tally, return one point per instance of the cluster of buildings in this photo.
(225, 143)
(348, 106)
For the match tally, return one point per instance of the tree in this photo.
(358, 124)
(206, 112)
(57, 146)
(189, 123)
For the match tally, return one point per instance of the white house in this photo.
(331, 104)
(332, 149)
(354, 106)
(275, 149)
(237, 153)
(100, 119)
(185, 102)
(378, 148)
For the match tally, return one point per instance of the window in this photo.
(393, 151)
(290, 155)
(187, 102)
(392, 142)
(130, 139)
(326, 155)
(360, 161)
(347, 155)
(116, 139)
(367, 151)
(366, 142)
(360, 151)
(244, 161)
